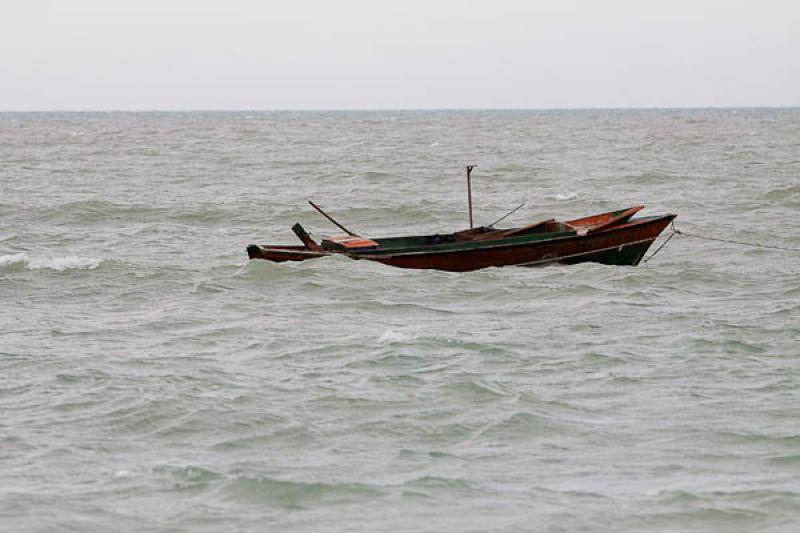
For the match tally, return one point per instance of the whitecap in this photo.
(390, 336)
(69, 262)
(565, 196)
(13, 259)
(60, 264)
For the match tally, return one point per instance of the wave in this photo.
(58, 264)
(103, 212)
(783, 193)
(295, 494)
(562, 197)
(392, 337)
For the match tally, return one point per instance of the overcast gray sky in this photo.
(354, 54)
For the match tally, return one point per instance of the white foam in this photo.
(70, 262)
(565, 196)
(60, 264)
(8, 260)
(390, 336)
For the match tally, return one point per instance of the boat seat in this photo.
(486, 233)
(348, 242)
(530, 228)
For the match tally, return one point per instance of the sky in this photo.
(409, 54)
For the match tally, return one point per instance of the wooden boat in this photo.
(613, 238)
(618, 241)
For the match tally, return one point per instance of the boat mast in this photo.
(469, 192)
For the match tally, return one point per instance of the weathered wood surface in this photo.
(604, 220)
(279, 254)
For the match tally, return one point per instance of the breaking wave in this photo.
(59, 264)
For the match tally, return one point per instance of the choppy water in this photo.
(151, 378)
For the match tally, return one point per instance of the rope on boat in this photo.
(676, 231)
(730, 241)
(502, 218)
(663, 244)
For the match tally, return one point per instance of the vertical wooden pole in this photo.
(469, 193)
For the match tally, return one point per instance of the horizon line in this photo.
(387, 109)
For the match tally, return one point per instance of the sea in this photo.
(154, 379)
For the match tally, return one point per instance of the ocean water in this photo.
(151, 378)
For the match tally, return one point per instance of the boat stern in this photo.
(253, 251)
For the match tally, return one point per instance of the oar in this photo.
(326, 215)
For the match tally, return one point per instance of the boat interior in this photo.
(483, 233)
(581, 226)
